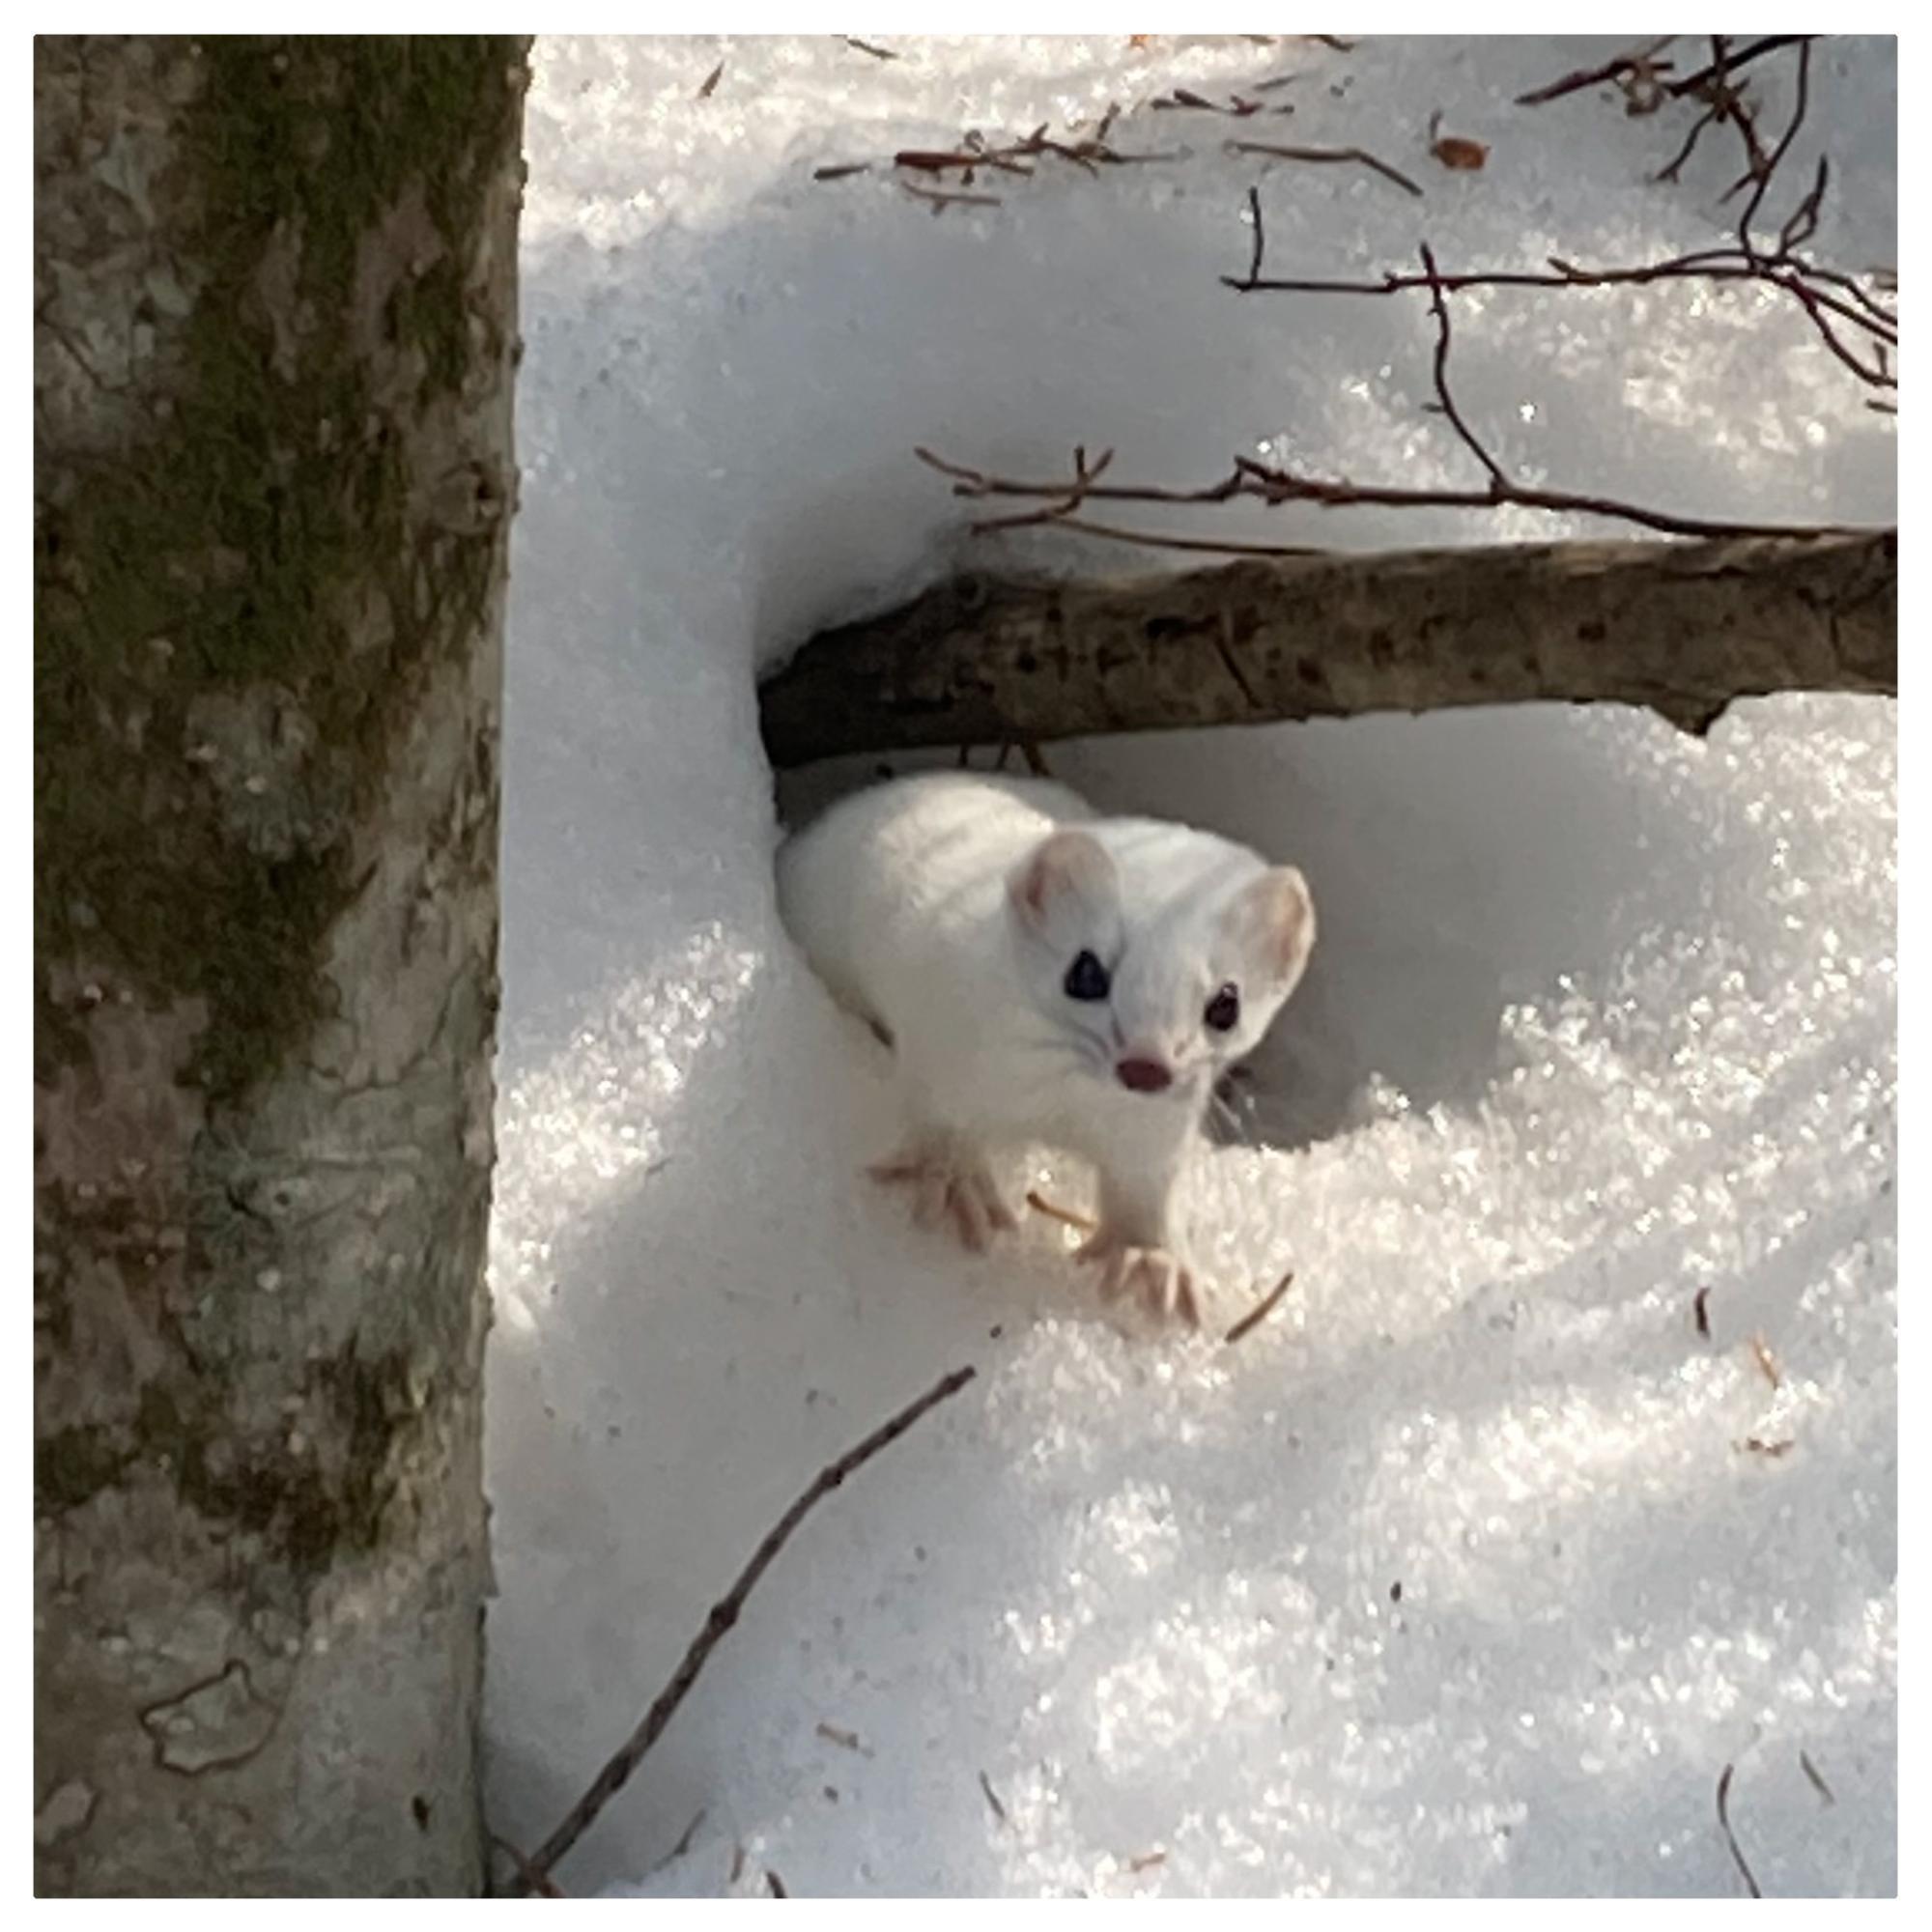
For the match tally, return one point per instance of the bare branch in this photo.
(1261, 1311)
(1727, 65)
(1642, 61)
(1499, 484)
(1360, 155)
(528, 1874)
(1730, 1837)
(724, 1613)
(1765, 174)
(1273, 485)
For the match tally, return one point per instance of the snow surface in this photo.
(1452, 1576)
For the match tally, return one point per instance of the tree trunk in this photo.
(274, 329)
(1683, 627)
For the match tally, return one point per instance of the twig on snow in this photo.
(1359, 156)
(724, 1613)
(1261, 1311)
(1730, 1837)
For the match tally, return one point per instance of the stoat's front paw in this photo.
(1164, 1285)
(946, 1189)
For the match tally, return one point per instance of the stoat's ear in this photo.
(1066, 880)
(1272, 922)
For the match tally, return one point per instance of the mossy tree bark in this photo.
(274, 331)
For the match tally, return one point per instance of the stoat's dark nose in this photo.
(1144, 1076)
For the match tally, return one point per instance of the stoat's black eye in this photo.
(1224, 1009)
(1086, 978)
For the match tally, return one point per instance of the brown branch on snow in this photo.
(724, 1613)
(1726, 102)
(1803, 281)
(1833, 304)
(1730, 1837)
(866, 47)
(1642, 62)
(1722, 65)
(1014, 158)
(1763, 170)
(1683, 629)
(1239, 106)
(1360, 155)
(1261, 1311)
(528, 1874)
(1274, 485)
(1500, 487)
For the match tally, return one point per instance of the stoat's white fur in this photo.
(948, 909)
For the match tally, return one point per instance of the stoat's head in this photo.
(1161, 1001)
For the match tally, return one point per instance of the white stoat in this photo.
(1045, 974)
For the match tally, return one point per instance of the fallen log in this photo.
(1681, 628)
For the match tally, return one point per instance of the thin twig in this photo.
(992, 1797)
(1717, 265)
(1786, 272)
(1642, 61)
(1730, 1837)
(1769, 169)
(1272, 486)
(1700, 1309)
(1816, 1776)
(1499, 484)
(1013, 158)
(866, 47)
(1673, 167)
(724, 1613)
(1729, 64)
(1767, 1362)
(1239, 107)
(1261, 1311)
(533, 1880)
(1360, 155)
(711, 81)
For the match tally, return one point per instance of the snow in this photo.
(1455, 1575)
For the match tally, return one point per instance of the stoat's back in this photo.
(895, 895)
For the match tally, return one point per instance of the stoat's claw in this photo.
(1162, 1284)
(944, 1191)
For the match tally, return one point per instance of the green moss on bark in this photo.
(248, 537)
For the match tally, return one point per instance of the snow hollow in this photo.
(1459, 1574)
